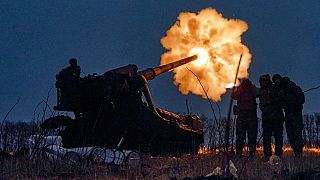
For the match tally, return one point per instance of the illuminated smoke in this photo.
(217, 42)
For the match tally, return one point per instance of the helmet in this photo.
(286, 79)
(265, 79)
(73, 62)
(276, 78)
(246, 83)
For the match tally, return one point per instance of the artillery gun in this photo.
(116, 109)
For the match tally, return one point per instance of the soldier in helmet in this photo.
(74, 69)
(292, 102)
(272, 116)
(68, 85)
(247, 121)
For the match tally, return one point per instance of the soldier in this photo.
(272, 116)
(293, 99)
(247, 121)
(69, 74)
(68, 84)
(73, 70)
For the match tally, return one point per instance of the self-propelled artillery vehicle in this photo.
(116, 109)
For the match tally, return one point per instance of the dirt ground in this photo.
(157, 168)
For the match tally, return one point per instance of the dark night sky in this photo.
(37, 38)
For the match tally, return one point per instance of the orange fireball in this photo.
(217, 42)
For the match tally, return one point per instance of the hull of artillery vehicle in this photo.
(115, 109)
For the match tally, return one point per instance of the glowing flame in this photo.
(286, 149)
(203, 56)
(230, 85)
(217, 42)
(206, 150)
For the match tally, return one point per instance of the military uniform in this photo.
(293, 101)
(247, 121)
(68, 85)
(272, 116)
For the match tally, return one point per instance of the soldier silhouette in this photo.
(68, 85)
(272, 116)
(292, 100)
(73, 71)
(247, 121)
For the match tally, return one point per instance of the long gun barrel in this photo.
(151, 73)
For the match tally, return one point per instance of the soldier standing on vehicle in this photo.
(293, 100)
(247, 121)
(73, 71)
(272, 116)
(68, 85)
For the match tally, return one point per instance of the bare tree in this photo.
(317, 120)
